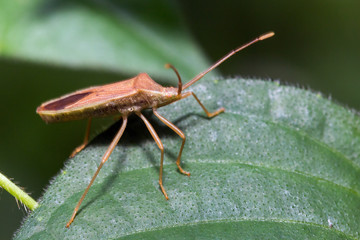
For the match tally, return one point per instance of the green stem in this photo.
(19, 194)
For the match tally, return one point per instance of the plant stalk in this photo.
(18, 193)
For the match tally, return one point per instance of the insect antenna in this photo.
(200, 75)
(168, 65)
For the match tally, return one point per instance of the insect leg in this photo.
(103, 160)
(209, 114)
(86, 139)
(160, 145)
(178, 132)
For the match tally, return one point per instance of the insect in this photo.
(124, 98)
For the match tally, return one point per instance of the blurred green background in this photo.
(316, 46)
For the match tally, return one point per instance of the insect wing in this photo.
(88, 97)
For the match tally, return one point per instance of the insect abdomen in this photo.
(121, 106)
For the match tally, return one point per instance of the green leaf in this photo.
(127, 37)
(280, 163)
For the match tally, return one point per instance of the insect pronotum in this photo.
(124, 98)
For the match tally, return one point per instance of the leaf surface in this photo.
(280, 163)
(127, 37)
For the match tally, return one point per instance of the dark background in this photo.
(316, 46)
